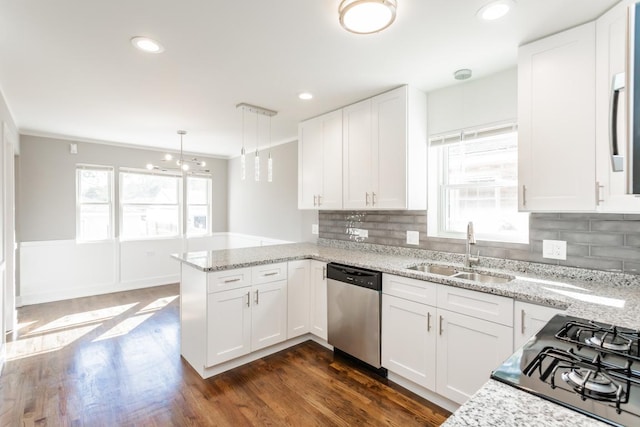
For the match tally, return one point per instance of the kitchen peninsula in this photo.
(600, 296)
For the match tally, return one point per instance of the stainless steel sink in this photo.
(441, 270)
(483, 278)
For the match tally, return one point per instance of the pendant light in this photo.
(257, 111)
(192, 165)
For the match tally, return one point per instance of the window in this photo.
(94, 203)
(150, 205)
(474, 177)
(198, 205)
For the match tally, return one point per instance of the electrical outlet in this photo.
(314, 229)
(363, 233)
(413, 237)
(554, 249)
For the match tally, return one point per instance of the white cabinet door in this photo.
(319, 152)
(268, 314)
(228, 325)
(389, 150)
(298, 298)
(611, 56)
(556, 116)
(357, 159)
(468, 349)
(309, 163)
(319, 299)
(528, 320)
(409, 340)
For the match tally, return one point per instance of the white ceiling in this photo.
(67, 67)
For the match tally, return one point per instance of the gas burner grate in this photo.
(603, 338)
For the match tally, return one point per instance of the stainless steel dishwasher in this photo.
(353, 310)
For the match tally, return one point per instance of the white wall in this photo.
(478, 102)
(269, 209)
(9, 145)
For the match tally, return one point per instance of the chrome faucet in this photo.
(471, 240)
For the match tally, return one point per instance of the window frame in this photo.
(111, 205)
(209, 204)
(438, 185)
(122, 204)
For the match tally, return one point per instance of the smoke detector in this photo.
(462, 74)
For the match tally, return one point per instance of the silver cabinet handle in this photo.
(273, 273)
(598, 193)
(522, 317)
(524, 195)
(314, 200)
(237, 279)
(324, 272)
(366, 199)
(248, 298)
(441, 320)
(319, 200)
(617, 160)
(257, 297)
(428, 321)
(373, 199)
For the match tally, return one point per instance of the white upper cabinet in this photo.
(385, 152)
(556, 122)
(611, 54)
(319, 162)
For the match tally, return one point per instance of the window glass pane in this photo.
(198, 191)
(479, 182)
(149, 189)
(95, 222)
(94, 186)
(149, 221)
(197, 220)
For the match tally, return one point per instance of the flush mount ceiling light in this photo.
(191, 166)
(146, 44)
(367, 16)
(305, 96)
(495, 10)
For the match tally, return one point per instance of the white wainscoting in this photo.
(63, 269)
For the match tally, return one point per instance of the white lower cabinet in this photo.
(298, 297)
(443, 338)
(229, 325)
(409, 340)
(318, 300)
(528, 320)
(245, 318)
(468, 349)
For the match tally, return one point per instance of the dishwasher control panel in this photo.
(354, 275)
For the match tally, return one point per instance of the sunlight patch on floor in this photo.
(46, 343)
(84, 318)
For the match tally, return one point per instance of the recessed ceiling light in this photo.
(495, 10)
(367, 16)
(146, 44)
(305, 96)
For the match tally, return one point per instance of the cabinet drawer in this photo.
(228, 279)
(489, 307)
(409, 289)
(268, 273)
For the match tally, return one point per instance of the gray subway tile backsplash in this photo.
(596, 241)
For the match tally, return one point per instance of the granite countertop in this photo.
(601, 296)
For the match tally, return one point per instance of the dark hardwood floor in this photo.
(114, 360)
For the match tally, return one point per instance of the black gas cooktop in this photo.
(590, 367)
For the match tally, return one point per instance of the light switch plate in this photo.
(554, 249)
(413, 237)
(314, 229)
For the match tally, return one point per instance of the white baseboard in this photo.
(62, 294)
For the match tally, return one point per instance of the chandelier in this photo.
(188, 165)
(258, 111)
